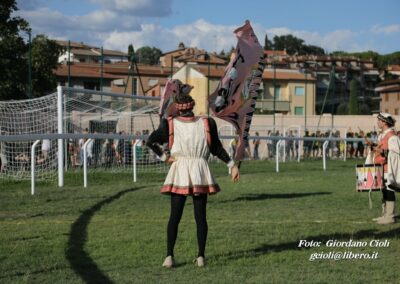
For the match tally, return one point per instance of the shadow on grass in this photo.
(293, 246)
(80, 260)
(264, 196)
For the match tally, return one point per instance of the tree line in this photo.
(16, 55)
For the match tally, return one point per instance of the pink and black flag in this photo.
(235, 98)
(167, 106)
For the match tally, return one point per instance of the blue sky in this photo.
(350, 25)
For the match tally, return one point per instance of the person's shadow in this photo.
(80, 261)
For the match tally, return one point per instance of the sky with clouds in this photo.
(349, 25)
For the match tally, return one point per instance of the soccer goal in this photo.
(25, 118)
(106, 130)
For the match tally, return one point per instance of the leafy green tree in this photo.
(45, 53)
(14, 57)
(342, 109)
(312, 49)
(13, 64)
(148, 55)
(353, 100)
(292, 44)
(365, 109)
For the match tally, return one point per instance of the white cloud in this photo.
(115, 29)
(200, 34)
(150, 34)
(91, 28)
(144, 8)
(387, 30)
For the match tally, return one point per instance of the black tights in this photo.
(177, 205)
(388, 195)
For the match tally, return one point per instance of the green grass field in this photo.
(114, 231)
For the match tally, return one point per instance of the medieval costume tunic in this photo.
(387, 153)
(391, 146)
(191, 140)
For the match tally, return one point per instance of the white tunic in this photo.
(393, 161)
(190, 174)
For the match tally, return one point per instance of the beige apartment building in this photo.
(390, 96)
(294, 92)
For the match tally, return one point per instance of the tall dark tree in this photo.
(45, 53)
(13, 64)
(353, 100)
(267, 43)
(148, 55)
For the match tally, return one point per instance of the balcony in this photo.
(280, 105)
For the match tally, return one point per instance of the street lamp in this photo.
(274, 82)
(69, 63)
(101, 69)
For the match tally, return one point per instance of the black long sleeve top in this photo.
(161, 135)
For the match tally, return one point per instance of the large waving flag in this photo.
(235, 97)
(167, 106)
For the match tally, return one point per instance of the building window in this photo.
(153, 82)
(277, 92)
(398, 96)
(396, 111)
(91, 85)
(298, 110)
(386, 97)
(299, 91)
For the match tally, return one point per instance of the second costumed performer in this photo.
(190, 140)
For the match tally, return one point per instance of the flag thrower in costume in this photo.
(235, 98)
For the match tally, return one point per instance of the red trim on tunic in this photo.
(187, 118)
(384, 145)
(207, 130)
(170, 132)
(190, 190)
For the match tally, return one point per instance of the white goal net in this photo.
(36, 116)
(123, 118)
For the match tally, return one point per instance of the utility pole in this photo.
(69, 63)
(30, 64)
(274, 66)
(101, 70)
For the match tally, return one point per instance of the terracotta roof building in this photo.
(389, 92)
